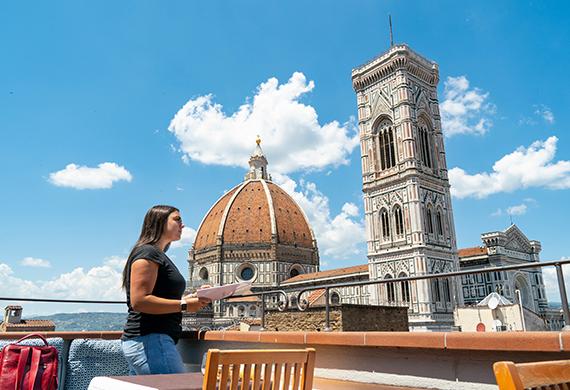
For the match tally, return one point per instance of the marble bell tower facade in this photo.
(407, 201)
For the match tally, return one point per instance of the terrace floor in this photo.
(331, 384)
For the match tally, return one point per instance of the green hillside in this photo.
(86, 321)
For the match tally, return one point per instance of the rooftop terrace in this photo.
(351, 360)
(438, 360)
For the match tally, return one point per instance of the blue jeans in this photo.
(153, 353)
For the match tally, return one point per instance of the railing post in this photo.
(563, 297)
(262, 313)
(521, 309)
(327, 311)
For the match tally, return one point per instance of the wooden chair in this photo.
(553, 375)
(261, 369)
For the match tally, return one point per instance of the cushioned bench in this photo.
(89, 358)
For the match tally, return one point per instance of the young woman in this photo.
(154, 288)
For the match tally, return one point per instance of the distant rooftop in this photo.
(338, 272)
(28, 326)
(474, 251)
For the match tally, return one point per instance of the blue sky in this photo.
(89, 83)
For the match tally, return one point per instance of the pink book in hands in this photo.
(220, 292)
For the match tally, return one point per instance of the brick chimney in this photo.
(12, 314)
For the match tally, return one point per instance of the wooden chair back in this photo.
(552, 375)
(260, 369)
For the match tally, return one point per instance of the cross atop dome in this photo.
(257, 164)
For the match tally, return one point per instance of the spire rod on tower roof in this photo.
(391, 35)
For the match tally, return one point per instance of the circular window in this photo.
(203, 274)
(294, 272)
(246, 273)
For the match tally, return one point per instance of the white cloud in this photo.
(338, 237)
(13, 286)
(540, 110)
(523, 168)
(526, 121)
(100, 283)
(519, 209)
(34, 262)
(115, 262)
(86, 178)
(187, 238)
(97, 283)
(545, 113)
(497, 213)
(292, 137)
(463, 109)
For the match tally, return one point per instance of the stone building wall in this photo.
(343, 318)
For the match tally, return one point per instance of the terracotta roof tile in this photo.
(338, 272)
(243, 299)
(249, 218)
(315, 295)
(30, 323)
(292, 227)
(208, 230)
(470, 252)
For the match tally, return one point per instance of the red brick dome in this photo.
(255, 211)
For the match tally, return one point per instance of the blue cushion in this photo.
(89, 358)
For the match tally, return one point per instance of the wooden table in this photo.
(189, 381)
(193, 381)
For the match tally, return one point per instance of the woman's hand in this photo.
(194, 304)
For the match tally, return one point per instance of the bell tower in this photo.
(407, 202)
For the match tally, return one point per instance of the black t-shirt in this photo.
(169, 284)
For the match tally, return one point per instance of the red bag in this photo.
(23, 367)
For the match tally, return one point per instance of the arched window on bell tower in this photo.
(405, 288)
(439, 222)
(424, 144)
(429, 219)
(436, 292)
(385, 140)
(398, 220)
(390, 289)
(385, 221)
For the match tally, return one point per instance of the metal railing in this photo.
(303, 304)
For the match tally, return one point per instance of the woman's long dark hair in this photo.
(152, 229)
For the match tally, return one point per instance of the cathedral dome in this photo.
(255, 232)
(255, 211)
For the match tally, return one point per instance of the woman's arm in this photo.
(143, 278)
